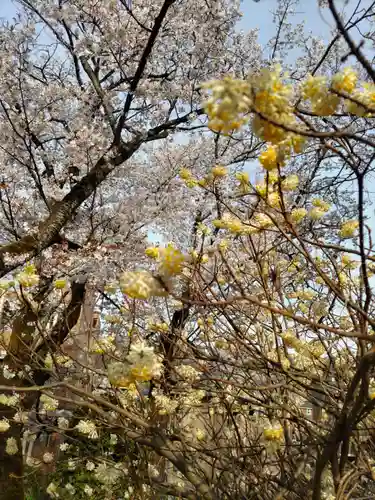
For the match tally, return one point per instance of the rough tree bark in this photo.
(20, 353)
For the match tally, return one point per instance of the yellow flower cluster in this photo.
(290, 183)
(4, 425)
(271, 103)
(158, 327)
(263, 221)
(152, 252)
(290, 339)
(348, 229)
(49, 404)
(141, 365)
(203, 229)
(345, 81)
(185, 174)
(270, 100)
(274, 433)
(302, 295)
(227, 106)
(11, 447)
(234, 225)
(60, 284)
(205, 322)
(141, 285)
(363, 103)
(165, 405)
(28, 277)
(9, 400)
(324, 98)
(273, 199)
(171, 261)
(198, 258)
(277, 154)
(188, 178)
(268, 97)
(308, 350)
(298, 214)
(58, 359)
(320, 209)
(6, 284)
(349, 263)
(104, 345)
(269, 158)
(223, 245)
(323, 101)
(219, 171)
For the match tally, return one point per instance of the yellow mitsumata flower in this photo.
(268, 158)
(141, 285)
(152, 252)
(158, 327)
(141, 373)
(272, 102)
(192, 183)
(317, 213)
(228, 104)
(263, 221)
(345, 81)
(273, 177)
(185, 174)
(273, 433)
(348, 262)
(231, 223)
(313, 87)
(219, 171)
(320, 209)
(59, 284)
(274, 200)
(118, 374)
(348, 229)
(171, 260)
(298, 214)
(203, 229)
(323, 102)
(261, 189)
(28, 277)
(321, 204)
(363, 103)
(327, 105)
(223, 245)
(290, 183)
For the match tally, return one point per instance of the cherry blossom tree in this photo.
(237, 360)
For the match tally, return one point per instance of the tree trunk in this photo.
(11, 466)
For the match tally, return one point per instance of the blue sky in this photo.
(258, 15)
(7, 9)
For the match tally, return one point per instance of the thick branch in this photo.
(63, 211)
(141, 66)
